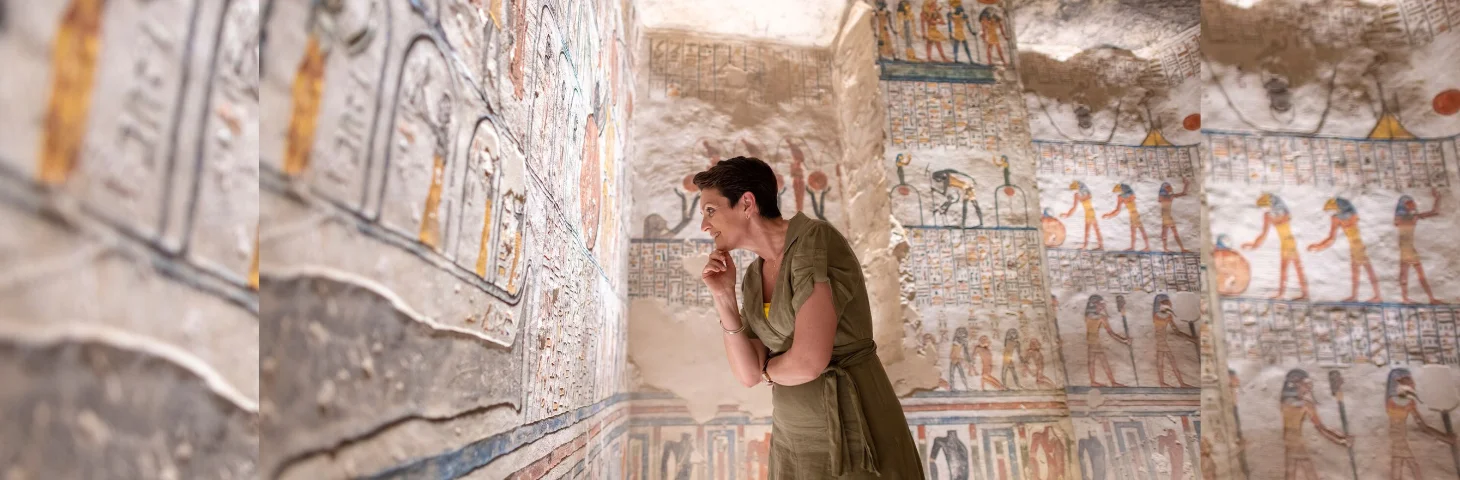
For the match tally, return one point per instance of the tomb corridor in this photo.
(311, 239)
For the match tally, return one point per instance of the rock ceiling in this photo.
(796, 22)
(1059, 28)
(1062, 28)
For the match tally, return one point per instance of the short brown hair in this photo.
(738, 175)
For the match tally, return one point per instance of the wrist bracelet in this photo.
(735, 331)
(765, 371)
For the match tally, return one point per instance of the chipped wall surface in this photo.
(128, 193)
(470, 247)
(961, 180)
(704, 99)
(1117, 138)
(951, 229)
(445, 289)
(808, 23)
(1335, 134)
(1073, 26)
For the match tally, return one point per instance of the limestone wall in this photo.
(469, 246)
(703, 99)
(1118, 149)
(129, 320)
(961, 181)
(445, 286)
(1324, 114)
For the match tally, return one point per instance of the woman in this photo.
(835, 414)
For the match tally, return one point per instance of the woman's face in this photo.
(725, 224)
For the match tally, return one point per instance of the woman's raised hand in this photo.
(719, 273)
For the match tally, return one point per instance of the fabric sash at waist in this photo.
(843, 406)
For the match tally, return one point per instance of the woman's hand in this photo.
(719, 274)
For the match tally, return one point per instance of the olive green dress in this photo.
(848, 423)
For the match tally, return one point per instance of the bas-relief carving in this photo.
(118, 149)
(563, 341)
(959, 116)
(225, 223)
(336, 93)
(1134, 339)
(132, 121)
(493, 209)
(1344, 423)
(145, 187)
(971, 361)
(486, 192)
(422, 132)
(959, 185)
(95, 410)
(340, 361)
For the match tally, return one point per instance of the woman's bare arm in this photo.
(745, 354)
(810, 352)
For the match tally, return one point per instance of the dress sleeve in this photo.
(810, 265)
(746, 312)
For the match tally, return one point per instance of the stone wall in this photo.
(962, 184)
(480, 261)
(1330, 125)
(1118, 149)
(129, 320)
(445, 285)
(704, 99)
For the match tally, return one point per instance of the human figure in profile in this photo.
(1012, 359)
(1166, 196)
(1170, 444)
(959, 361)
(1279, 219)
(1400, 404)
(993, 31)
(1082, 200)
(1406, 217)
(1097, 320)
(1297, 405)
(1346, 217)
(1126, 197)
(984, 352)
(1164, 318)
(959, 28)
